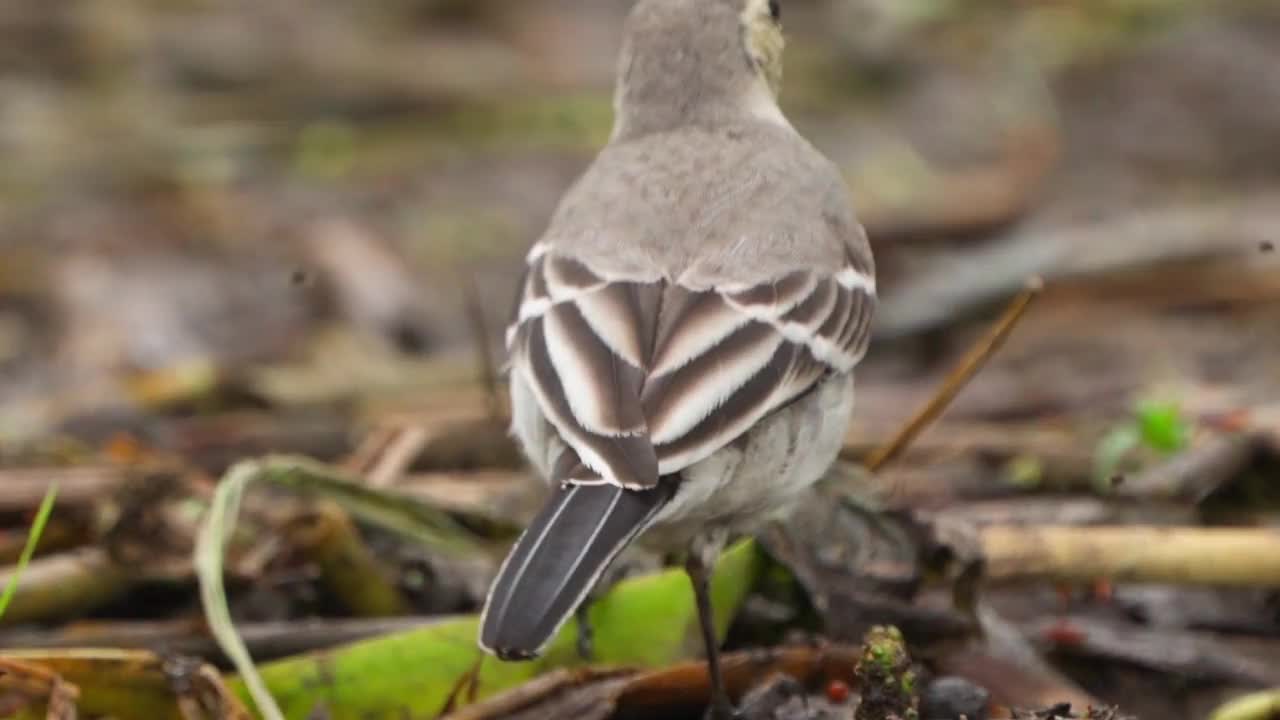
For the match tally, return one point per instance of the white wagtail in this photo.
(682, 353)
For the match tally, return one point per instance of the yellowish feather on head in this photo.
(762, 33)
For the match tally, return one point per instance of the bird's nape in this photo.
(697, 62)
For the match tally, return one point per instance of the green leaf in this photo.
(647, 622)
(1162, 425)
(1025, 471)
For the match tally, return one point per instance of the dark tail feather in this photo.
(556, 562)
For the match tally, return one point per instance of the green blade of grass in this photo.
(28, 550)
(384, 507)
(210, 546)
(424, 524)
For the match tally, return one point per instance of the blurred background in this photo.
(220, 185)
(239, 226)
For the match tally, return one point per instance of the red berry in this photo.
(838, 692)
(1064, 633)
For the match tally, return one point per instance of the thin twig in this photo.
(397, 456)
(469, 682)
(484, 353)
(969, 365)
(369, 452)
(21, 488)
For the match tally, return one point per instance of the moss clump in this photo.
(885, 677)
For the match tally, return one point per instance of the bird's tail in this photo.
(557, 560)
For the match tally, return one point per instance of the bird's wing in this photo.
(643, 378)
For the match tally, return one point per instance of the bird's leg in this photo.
(621, 568)
(699, 570)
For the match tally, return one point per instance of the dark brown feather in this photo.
(631, 459)
(663, 395)
(839, 315)
(748, 399)
(616, 382)
(819, 301)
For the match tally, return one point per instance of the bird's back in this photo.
(706, 205)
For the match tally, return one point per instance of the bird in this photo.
(682, 350)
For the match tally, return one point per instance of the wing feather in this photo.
(692, 323)
(606, 384)
(642, 379)
(674, 402)
(627, 460)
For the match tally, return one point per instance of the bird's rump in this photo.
(642, 378)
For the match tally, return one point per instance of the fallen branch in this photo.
(65, 585)
(1258, 706)
(1241, 557)
(265, 640)
(1194, 474)
(1192, 656)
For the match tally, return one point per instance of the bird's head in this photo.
(699, 62)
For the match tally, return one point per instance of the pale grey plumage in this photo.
(690, 319)
(744, 221)
(740, 202)
(687, 64)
